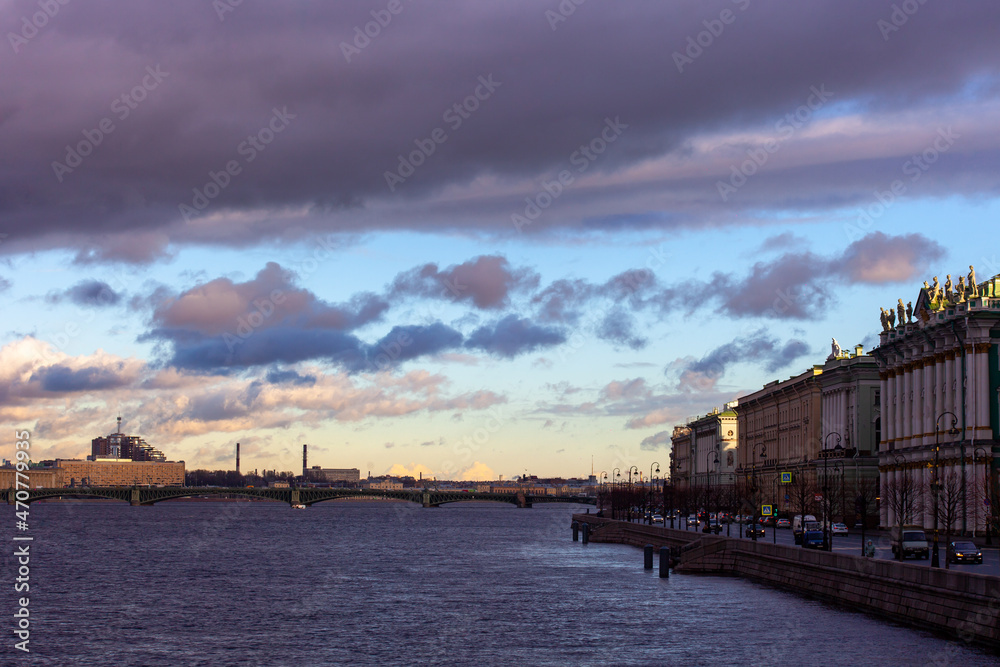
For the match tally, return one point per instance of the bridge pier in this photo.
(522, 501)
(134, 499)
(294, 499)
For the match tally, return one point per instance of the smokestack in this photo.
(305, 459)
(237, 458)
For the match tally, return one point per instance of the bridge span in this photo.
(297, 496)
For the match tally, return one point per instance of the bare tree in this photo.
(864, 503)
(905, 500)
(949, 506)
(803, 493)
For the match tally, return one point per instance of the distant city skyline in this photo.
(466, 240)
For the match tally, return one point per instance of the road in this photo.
(851, 544)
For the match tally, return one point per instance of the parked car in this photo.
(784, 523)
(812, 539)
(838, 529)
(751, 529)
(964, 552)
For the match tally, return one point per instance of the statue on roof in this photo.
(909, 312)
(901, 310)
(835, 350)
(892, 318)
(960, 290)
(973, 287)
(884, 319)
(937, 290)
(948, 294)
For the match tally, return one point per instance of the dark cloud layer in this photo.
(345, 124)
(89, 293)
(757, 348)
(60, 378)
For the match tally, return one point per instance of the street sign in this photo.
(786, 478)
(818, 497)
(766, 510)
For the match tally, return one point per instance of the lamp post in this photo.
(629, 493)
(708, 491)
(649, 510)
(975, 499)
(753, 492)
(936, 486)
(615, 475)
(826, 489)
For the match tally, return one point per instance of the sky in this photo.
(467, 239)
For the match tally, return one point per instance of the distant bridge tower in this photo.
(305, 459)
(237, 458)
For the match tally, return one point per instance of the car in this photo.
(657, 518)
(838, 529)
(964, 552)
(692, 520)
(714, 526)
(784, 523)
(813, 539)
(751, 529)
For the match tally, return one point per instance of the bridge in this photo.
(298, 496)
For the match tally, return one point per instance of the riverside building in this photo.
(939, 383)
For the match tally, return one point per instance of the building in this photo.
(120, 472)
(851, 420)
(38, 477)
(117, 445)
(779, 430)
(704, 449)
(334, 474)
(383, 485)
(939, 383)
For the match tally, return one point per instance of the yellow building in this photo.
(120, 472)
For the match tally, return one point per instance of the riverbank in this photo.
(959, 604)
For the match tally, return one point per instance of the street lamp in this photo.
(649, 510)
(936, 486)
(708, 492)
(975, 499)
(629, 494)
(753, 471)
(615, 475)
(826, 489)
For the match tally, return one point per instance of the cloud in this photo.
(513, 336)
(478, 471)
(290, 376)
(658, 440)
(486, 282)
(414, 470)
(88, 293)
(759, 348)
(61, 379)
(662, 170)
(878, 259)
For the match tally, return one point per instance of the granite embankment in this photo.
(960, 604)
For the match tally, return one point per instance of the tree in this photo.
(904, 500)
(864, 503)
(949, 506)
(803, 493)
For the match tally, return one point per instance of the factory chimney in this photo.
(305, 459)
(237, 458)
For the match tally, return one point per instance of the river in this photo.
(251, 583)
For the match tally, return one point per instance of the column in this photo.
(949, 383)
(971, 380)
(930, 389)
(983, 429)
(906, 426)
(917, 417)
(883, 410)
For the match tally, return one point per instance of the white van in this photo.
(797, 526)
(914, 542)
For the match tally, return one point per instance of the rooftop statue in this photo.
(901, 309)
(909, 312)
(835, 350)
(892, 318)
(973, 287)
(948, 294)
(884, 318)
(960, 290)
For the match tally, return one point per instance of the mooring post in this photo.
(586, 533)
(664, 562)
(576, 531)
(647, 557)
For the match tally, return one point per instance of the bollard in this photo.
(664, 562)
(576, 531)
(586, 533)
(647, 557)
